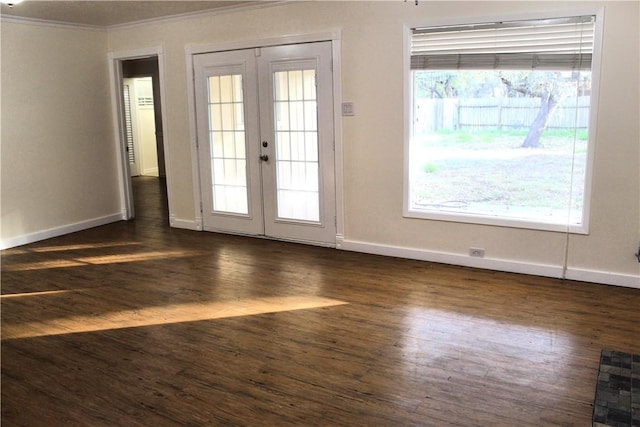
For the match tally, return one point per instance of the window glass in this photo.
(501, 133)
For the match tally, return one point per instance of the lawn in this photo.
(487, 172)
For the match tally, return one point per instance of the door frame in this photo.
(335, 38)
(124, 175)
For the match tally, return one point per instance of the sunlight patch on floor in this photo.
(39, 293)
(63, 248)
(102, 259)
(151, 316)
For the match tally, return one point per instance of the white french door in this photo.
(265, 141)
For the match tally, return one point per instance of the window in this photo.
(500, 123)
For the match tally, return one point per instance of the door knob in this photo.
(264, 157)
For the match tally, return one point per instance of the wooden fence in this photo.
(495, 113)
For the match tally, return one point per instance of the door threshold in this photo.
(276, 239)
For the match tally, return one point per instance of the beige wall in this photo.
(372, 77)
(57, 147)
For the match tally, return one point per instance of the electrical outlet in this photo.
(348, 109)
(476, 252)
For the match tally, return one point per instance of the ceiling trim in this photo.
(134, 24)
(200, 13)
(13, 19)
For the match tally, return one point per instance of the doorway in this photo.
(138, 104)
(140, 126)
(265, 142)
(140, 80)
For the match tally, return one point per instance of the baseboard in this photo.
(59, 231)
(603, 277)
(184, 224)
(580, 275)
(454, 259)
(150, 172)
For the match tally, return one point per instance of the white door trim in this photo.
(115, 77)
(332, 36)
(267, 42)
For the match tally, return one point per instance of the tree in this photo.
(439, 86)
(550, 87)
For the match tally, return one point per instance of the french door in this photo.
(265, 141)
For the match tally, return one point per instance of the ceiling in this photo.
(108, 13)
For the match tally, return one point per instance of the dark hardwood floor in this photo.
(138, 324)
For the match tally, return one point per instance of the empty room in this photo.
(463, 248)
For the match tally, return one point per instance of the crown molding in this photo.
(251, 5)
(48, 23)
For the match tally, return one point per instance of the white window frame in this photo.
(469, 218)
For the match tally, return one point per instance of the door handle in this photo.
(264, 157)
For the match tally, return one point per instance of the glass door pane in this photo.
(227, 144)
(296, 134)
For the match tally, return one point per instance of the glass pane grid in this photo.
(297, 162)
(227, 142)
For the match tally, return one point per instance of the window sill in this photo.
(469, 218)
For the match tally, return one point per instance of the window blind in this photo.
(128, 124)
(548, 44)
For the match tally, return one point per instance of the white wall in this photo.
(58, 166)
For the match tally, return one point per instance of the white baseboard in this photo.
(604, 277)
(544, 270)
(454, 259)
(184, 223)
(59, 231)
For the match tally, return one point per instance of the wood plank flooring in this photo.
(138, 324)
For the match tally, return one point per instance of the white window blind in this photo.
(548, 44)
(128, 124)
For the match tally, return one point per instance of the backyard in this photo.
(487, 172)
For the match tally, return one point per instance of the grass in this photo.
(429, 168)
(501, 138)
(489, 169)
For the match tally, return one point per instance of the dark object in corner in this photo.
(617, 401)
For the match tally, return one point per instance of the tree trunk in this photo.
(548, 105)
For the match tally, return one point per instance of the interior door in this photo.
(265, 131)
